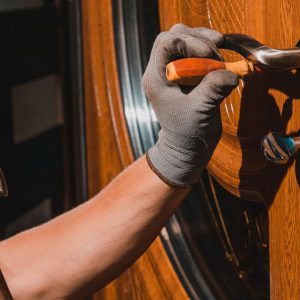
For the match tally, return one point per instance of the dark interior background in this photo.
(38, 112)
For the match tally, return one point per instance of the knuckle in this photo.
(162, 37)
(179, 27)
(168, 41)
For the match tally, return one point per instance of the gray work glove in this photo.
(190, 122)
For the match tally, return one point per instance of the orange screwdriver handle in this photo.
(190, 71)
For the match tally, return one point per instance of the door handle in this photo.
(279, 148)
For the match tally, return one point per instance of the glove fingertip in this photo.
(212, 35)
(216, 85)
(223, 77)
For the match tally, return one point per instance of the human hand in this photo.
(190, 122)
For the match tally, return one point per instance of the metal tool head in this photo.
(261, 55)
(278, 148)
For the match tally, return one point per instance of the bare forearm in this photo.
(84, 249)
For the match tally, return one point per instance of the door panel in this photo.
(266, 102)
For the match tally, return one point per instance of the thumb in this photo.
(214, 87)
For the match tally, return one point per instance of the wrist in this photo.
(178, 161)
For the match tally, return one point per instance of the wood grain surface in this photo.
(260, 104)
(109, 152)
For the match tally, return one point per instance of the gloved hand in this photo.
(190, 122)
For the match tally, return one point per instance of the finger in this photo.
(158, 90)
(214, 87)
(213, 36)
(169, 47)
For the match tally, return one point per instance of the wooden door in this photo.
(238, 171)
(261, 104)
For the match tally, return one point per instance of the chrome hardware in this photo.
(279, 148)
